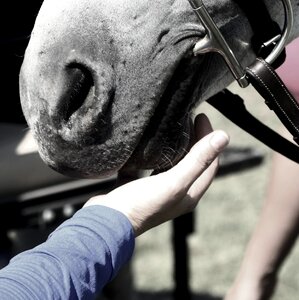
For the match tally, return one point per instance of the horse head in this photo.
(107, 84)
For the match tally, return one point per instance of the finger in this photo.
(202, 126)
(198, 159)
(202, 183)
(198, 188)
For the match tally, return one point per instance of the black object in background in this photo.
(16, 23)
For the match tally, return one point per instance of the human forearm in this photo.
(77, 260)
(279, 222)
(274, 236)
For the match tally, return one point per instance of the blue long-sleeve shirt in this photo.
(76, 261)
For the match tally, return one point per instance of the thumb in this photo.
(201, 155)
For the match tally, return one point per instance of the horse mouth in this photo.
(168, 133)
(84, 137)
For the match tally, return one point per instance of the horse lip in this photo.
(71, 139)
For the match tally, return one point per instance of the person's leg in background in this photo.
(278, 226)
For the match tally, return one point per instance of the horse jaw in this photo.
(111, 84)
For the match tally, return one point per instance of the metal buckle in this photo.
(214, 41)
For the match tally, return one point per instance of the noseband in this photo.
(269, 46)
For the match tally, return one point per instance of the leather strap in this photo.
(266, 81)
(278, 98)
(232, 106)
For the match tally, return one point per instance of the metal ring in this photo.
(288, 25)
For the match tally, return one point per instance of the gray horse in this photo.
(110, 85)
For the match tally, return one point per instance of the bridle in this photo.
(215, 42)
(270, 50)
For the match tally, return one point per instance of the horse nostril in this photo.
(77, 86)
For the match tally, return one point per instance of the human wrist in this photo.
(122, 208)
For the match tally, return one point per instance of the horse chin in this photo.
(162, 155)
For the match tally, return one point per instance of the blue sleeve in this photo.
(77, 260)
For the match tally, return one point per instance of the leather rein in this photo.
(269, 47)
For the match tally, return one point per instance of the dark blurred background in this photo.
(16, 22)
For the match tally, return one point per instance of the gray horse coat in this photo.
(107, 85)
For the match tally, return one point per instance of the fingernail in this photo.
(219, 140)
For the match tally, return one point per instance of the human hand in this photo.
(151, 201)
